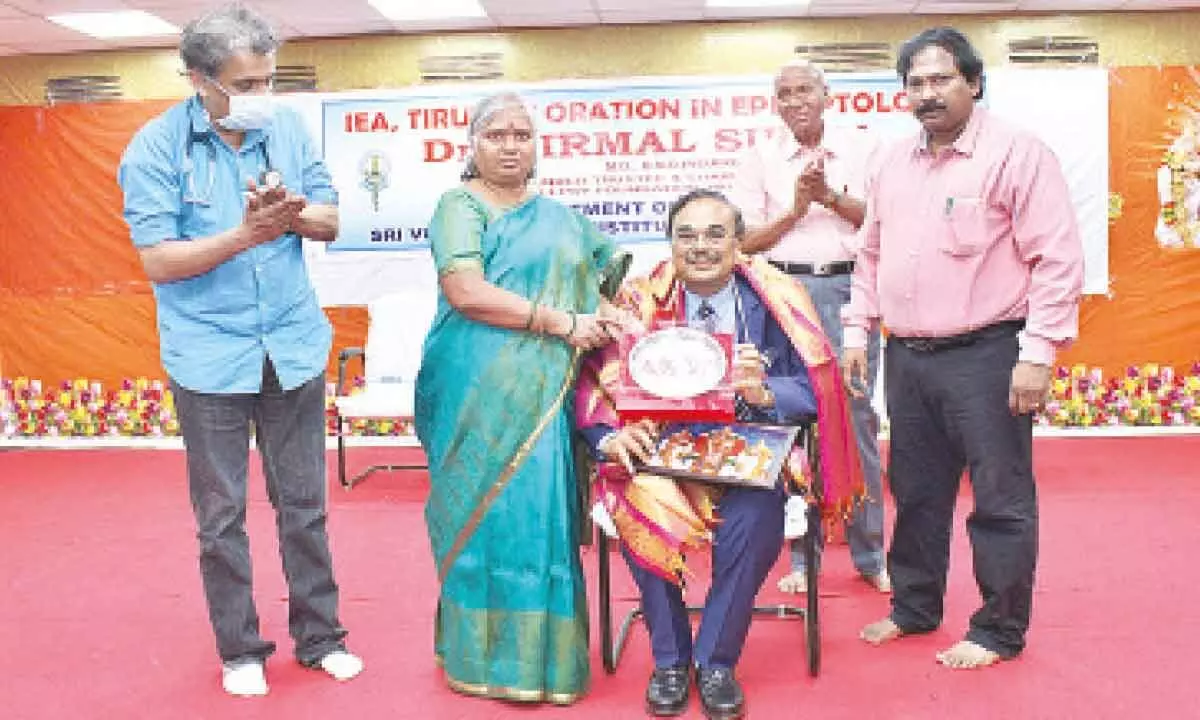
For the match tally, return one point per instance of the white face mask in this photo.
(248, 112)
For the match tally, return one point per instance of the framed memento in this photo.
(743, 455)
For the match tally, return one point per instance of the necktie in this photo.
(708, 314)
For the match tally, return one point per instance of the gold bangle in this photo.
(532, 314)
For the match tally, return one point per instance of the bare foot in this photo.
(966, 655)
(878, 633)
(795, 582)
(880, 581)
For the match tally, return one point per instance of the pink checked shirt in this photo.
(983, 232)
(765, 187)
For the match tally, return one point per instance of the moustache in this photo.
(929, 106)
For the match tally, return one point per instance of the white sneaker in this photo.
(795, 517)
(341, 665)
(245, 679)
(601, 517)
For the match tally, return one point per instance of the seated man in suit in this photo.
(786, 372)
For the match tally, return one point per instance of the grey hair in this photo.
(802, 64)
(484, 111)
(208, 43)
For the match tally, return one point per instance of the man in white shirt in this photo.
(801, 194)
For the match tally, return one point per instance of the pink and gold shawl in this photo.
(656, 517)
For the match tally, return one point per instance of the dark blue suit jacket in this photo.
(787, 375)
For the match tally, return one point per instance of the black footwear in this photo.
(667, 693)
(720, 695)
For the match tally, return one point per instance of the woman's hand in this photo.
(589, 333)
(586, 331)
(620, 316)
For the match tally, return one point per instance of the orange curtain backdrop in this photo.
(1152, 313)
(75, 303)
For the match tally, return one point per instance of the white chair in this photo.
(398, 323)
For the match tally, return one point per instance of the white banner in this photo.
(620, 153)
(620, 150)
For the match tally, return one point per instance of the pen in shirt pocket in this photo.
(965, 201)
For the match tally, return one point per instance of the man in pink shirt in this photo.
(971, 258)
(801, 194)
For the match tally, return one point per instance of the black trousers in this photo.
(949, 412)
(290, 431)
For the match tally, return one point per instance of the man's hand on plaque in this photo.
(748, 365)
(636, 440)
(757, 394)
(750, 376)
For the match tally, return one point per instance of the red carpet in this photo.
(103, 615)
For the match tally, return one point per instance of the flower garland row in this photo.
(1080, 397)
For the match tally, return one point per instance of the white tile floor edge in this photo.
(132, 443)
(170, 443)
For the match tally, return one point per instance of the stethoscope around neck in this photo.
(269, 177)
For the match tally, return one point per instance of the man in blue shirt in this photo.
(219, 190)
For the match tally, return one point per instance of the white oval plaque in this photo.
(677, 363)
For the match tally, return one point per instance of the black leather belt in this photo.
(842, 267)
(950, 342)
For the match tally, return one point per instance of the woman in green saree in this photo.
(520, 302)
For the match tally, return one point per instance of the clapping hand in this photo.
(270, 211)
(813, 181)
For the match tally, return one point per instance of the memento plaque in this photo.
(676, 373)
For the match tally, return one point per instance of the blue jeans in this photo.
(864, 531)
(290, 432)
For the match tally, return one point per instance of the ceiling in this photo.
(24, 29)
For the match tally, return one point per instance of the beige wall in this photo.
(679, 49)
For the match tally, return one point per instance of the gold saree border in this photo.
(499, 692)
(466, 262)
(506, 475)
(528, 628)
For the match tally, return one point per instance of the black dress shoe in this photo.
(667, 693)
(720, 695)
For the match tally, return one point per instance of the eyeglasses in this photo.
(691, 237)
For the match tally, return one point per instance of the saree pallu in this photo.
(493, 412)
